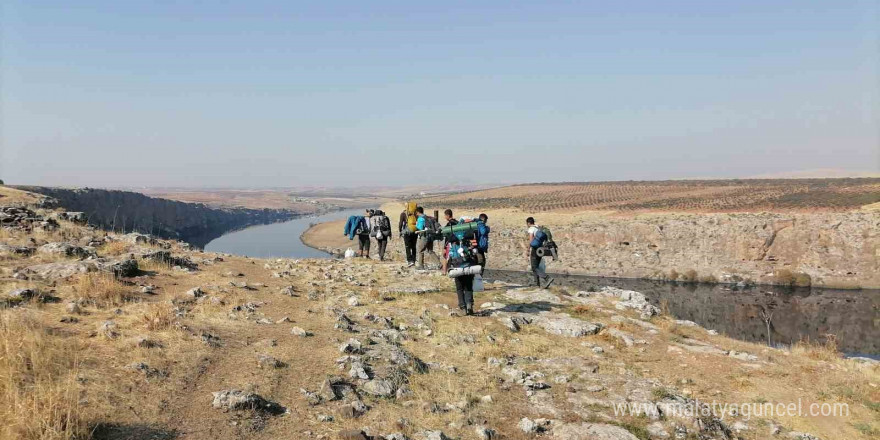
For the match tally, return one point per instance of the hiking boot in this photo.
(410, 264)
(549, 282)
(469, 311)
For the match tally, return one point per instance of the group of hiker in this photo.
(465, 244)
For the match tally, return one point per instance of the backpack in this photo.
(432, 227)
(380, 223)
(411, 217)
(542, 235)
(483, 237)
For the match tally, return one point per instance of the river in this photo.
(277, 240)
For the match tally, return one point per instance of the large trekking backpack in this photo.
(380, 223)
(542, 235)
(432, 228)
(483, 237)
(411, 216)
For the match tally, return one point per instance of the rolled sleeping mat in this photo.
(460, 228)
(546, 251)
(459, 271)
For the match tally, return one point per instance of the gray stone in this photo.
(195, 292)
(432, 435)
(564, 325)
(528, 425)
(237, 400)
(591, 431)
(297, 331)
(266, 361)
(350, 346)
(657, 430)
(378, 387)
(352, 434)
(22, 294)
(485, 433)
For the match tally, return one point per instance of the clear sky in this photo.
(285, 93)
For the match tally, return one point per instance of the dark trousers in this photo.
(364, 243)
(535, 261)
(464, 288)
(409, 245)
(383, 243)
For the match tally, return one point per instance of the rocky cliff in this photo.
(823, 249)
(127, 211)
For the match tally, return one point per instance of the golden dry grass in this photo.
(158, 316)
(38, 385)
(101, 289)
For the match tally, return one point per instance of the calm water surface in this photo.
(279, 240)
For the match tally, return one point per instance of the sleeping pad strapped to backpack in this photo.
(411, 217)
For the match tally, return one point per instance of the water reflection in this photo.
(791, 314)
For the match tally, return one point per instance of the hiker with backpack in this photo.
(461, 266)
(380, 229)
(538, 236)
(407, 229)
(427, 229)
(363, 234)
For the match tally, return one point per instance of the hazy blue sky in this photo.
(285, 93)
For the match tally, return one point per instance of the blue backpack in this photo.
(483, 237)
(541, 236)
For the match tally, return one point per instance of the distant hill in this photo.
(819, 173)
(723, 195)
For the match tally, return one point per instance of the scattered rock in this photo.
(352, 434)
(378, 387)
(351, 346)
(591, 431)
(485, 433)
(195, 292)
(23, 294)
(266, 361)
(108, 329)
(432, 435)
(297, 331)
(237, 400)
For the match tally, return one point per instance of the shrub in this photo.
(689, 276)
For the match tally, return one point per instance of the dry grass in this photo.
(37, 382)
(115, 248)
(825, 351)
(101, 289)
(159, 316)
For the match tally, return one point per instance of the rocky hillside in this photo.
(146, 338)
(196, 224)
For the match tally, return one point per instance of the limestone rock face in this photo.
(824, 249)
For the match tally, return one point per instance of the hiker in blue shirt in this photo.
(426, 238)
